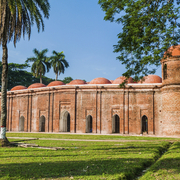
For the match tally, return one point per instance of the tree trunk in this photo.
(40, 79)
(56, 76)
(4, 93)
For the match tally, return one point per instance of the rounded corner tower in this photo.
(171, 91)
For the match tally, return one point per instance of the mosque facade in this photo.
(150, 107)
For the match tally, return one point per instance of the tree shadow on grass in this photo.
(125, 167)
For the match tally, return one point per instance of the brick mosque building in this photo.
(149, 107)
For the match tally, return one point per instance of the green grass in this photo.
(167, 167)
(92, 137)
(80, 160)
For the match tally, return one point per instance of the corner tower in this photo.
(171, 91)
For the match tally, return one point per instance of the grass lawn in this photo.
(84, 136)
(167, 167)
(80, 159)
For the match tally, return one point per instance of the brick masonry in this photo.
(66, 108)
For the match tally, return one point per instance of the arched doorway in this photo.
(42, 124)
(144, 124)
(89, 124)
(21, 123)
(65, 122)
(115, 124)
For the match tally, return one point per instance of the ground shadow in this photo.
(118, 167)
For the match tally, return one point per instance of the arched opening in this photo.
(42, 124)
(115, 124)
(89, 124)
(21, 123)
(68, 122)
(165, 71)
(65, 122)
(144, 124)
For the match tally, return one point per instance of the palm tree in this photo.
(16, 18)
(40, 63)
(58, 63)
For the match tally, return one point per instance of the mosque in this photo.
(149, 107)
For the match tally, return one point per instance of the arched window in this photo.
(21, 123)
(89, 125)
(144, 124)
(65, 122)
(115, 124)
(42, 124)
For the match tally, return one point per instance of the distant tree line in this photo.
(42, 63)
(17, 75)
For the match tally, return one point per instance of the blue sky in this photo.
(78, 29)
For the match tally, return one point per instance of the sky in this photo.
(78, 29)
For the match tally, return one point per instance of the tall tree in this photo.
(17, 75)
(148, 29)
(16, 18)
(40, 64)
(58, 63)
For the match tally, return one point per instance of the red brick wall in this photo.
(101, 102)
(171, 110)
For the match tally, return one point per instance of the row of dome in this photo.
(119, 80)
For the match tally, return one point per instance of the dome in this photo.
(121, 79)
(151, 79)
(76, 82)
(15, 88)
(36, 85)
(111, 81)
(100, 81)
(55, 83)
(173, 50)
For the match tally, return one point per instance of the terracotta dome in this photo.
(173, 51)
(100, 81)
(55, 83)
(121, 79)
(77, 81)
(151, 79)
(111, 81)
(18, 88)
(36, 85)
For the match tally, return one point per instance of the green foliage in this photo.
(41, 64)
(58, 63)
(18, 76)
(17, 17)
(67, 80)
(149, 28)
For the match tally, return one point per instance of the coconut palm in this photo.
(58, 63)
(16, 19)
(40, 63)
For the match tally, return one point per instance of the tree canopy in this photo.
(40, 64)
(17, 75)
(16, 19)
(149, 28)
(58, 63)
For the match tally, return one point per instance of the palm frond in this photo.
(17, 17)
